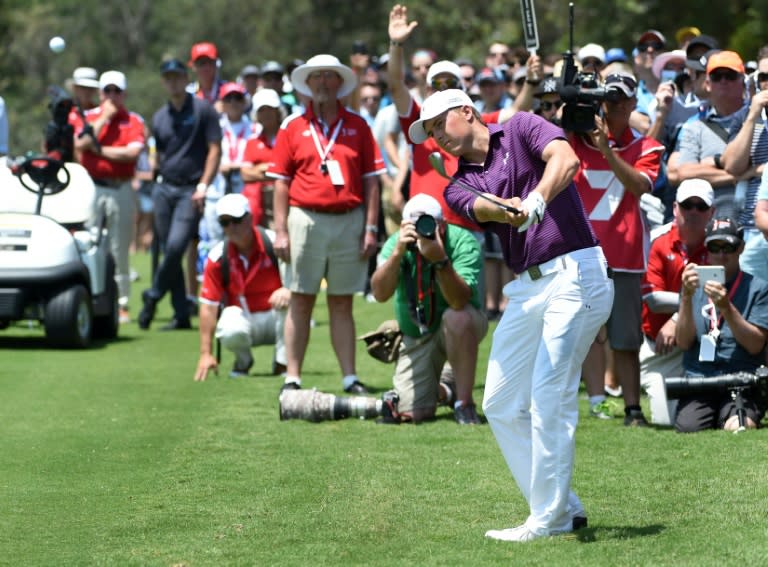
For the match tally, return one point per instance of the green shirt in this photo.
(462, 248)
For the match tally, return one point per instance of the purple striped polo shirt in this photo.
(513, 168)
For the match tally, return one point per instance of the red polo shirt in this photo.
(125, 129)
(296, 159)
(667, 259)
(256, 282)
(424, 178)
(257, 150)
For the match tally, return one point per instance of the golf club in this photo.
(436, 160)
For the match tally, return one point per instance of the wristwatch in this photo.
(717, 157)
(441, 264)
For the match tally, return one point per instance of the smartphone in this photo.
(711, 273)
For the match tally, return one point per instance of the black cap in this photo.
(724, 229)
(548, 85)
(173, 66)
(700, 64)
(705, 40)
(249, 70)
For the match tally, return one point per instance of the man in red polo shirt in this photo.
(204, 59)
(109, 156)
(254, 297)
(680, 243)
(617, 168)
(325, 164)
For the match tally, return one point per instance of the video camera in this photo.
(581, 92)
(59, 133)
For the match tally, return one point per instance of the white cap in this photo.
(422, 204)
(85, 77)
(434, 105)
(443, 67)
(695, 188)
(266, 97)
(323, 63)
(233, 205)
(591, 50)
(112, 78)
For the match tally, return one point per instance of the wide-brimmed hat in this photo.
(323, 62)
(664, 58)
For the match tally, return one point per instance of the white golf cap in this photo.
(233, 205)
(266, 97)
(695, 188)
(441, 67)
(422, 204)
(434, 105)
(112, 78)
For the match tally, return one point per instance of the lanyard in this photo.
(236, 146)
(716, 323)
(324, 151)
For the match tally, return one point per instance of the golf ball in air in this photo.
(57, 44)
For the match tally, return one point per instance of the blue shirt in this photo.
(513, 168)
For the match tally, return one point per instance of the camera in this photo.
(426, 226)
(315, 406)
(59, 133)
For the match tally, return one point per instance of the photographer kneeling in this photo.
(242, 274)
(432, 268)
(722, 328)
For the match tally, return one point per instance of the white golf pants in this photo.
(531, 390)
(238, 331)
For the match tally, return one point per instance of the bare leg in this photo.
(297, 331)
(342, 331)
(593, 368)
(627, 364)
(461, 343)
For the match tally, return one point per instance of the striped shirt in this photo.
(513, 168)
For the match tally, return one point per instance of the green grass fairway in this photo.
(114, 456)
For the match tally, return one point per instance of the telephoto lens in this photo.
(426, 225)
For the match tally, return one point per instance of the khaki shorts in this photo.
(420, 363)
(326, 246)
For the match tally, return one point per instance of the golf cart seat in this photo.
(71, 207)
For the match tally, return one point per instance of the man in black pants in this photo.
(188, 139)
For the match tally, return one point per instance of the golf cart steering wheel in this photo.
(48, 173)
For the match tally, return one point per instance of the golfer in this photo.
(557, 303)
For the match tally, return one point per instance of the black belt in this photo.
(177, 182)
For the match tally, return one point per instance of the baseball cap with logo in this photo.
(231, 88)
(695, 188)
(434, 105)
(724, 229)
(725, 60)
(203, 49)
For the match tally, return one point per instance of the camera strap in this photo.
(417, 294)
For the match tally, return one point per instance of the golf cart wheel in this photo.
(69, 318)
(106, 326)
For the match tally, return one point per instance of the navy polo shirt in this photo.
(182, 138)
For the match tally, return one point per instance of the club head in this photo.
(437, 163)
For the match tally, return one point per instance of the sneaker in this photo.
(466, 414)
(357, 388)
(635, 418)
(124, 316)
(147, 311)
(519, 534)
(241, 370)
(602, 410)
(616, 392)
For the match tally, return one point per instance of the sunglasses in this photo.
(700, 206)
(112, 90)
(616, 78)
(226, 221)
(719, 74)
(547, 105)
(722, 248)
(447, 83)
(648, 45)
(498, 53)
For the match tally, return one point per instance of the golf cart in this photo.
(52, 269)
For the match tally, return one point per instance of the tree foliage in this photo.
(134, 36)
